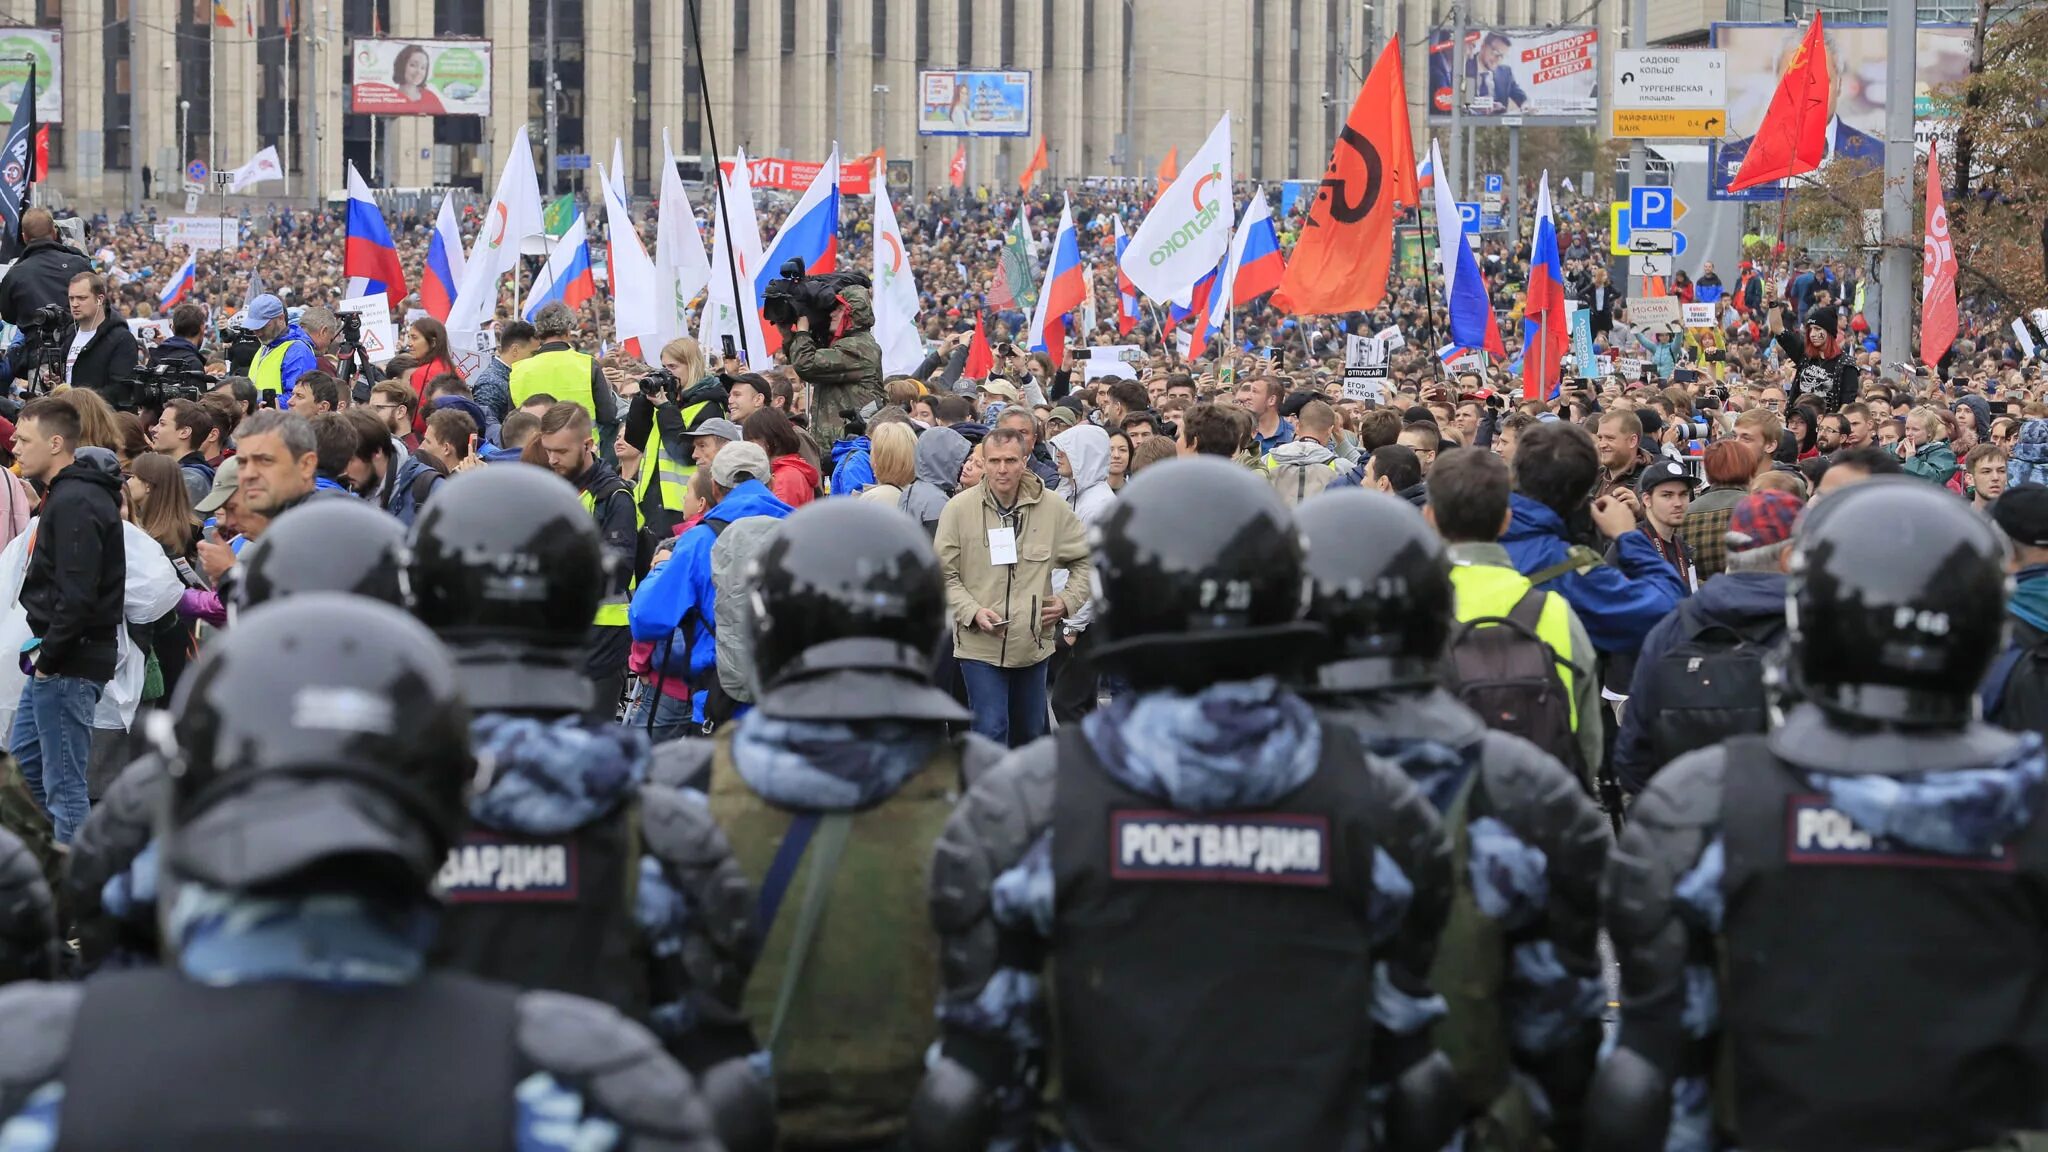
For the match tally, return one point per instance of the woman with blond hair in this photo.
(892, 453)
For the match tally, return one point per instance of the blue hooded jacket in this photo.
(1618, 605)
(674, 589)
(1732, 598)
(298, 359)
(852, 470)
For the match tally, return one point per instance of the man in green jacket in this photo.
(846, 370)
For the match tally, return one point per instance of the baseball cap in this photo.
(2022, 514)
(1661, 472)
(225, 481)
(717, 426)
(1004, 389)
(1762, 519)
(739, 461)
(262, 310)
(1062, 414)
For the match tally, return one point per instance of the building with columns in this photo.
(1116, 83)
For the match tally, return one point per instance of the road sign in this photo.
(1670, 78)
(1651, 207)
(196, 172)
(1653, 266)
(1669, 123)
(1651, 241)
(1495, 185)
(191, 203)
(1468, 217)
(568, 161)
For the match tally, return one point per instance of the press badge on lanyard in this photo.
(1002, 545)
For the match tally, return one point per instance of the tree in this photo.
(1998, 209)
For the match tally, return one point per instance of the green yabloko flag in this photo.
(1016, 264)
(559, 215)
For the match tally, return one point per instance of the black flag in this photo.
(18, 167)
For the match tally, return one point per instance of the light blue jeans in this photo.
(52, 741)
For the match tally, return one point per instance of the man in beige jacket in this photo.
(999, 543)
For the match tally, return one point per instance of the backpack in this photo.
(415, 482)
(731, 565)
(1297, 482)
(2015, 693)
(1502, 669)
(1710, 685)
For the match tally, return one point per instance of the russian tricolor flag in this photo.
(370, 259)
(181, 283)
(1127, 315)
(567, 275)
(1473, 324)
(442, 276)
(1062, 293)
(1546, 329)
(1425, 172)
(1255, 262)
(809, 233)
(1211, 300)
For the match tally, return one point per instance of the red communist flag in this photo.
(957, 171)
(1938, 318)
(1032, 169)
(1793, 139)
(981, 359)
(1340, 264)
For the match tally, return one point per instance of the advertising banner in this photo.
(856, 176)
(422, 78)
(46, 46)
(974, 103)
(1547, 73)
(1756, 55)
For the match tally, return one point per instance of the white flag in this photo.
(514, 214)
(1187, 231)
(619, 180)
(680, 268)
(895, 292)
(635, 289)
(727, 313)
(261, 168)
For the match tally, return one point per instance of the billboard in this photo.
(422, 77)
(974, 103)
(1552, 74)
(1757, 54)
(46, 45)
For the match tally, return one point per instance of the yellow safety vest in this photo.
(675, 474)
(266, 371)
(1489, 590)
(563, 373)
(611, 611)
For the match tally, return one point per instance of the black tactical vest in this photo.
(160, 1062)
(552, 912)
(1879, 998)
(1213, 971)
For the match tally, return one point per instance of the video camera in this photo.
(45, 339)
(240, 347)
(796, 293)
(158, 384)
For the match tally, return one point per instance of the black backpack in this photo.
(2015, 693)
(1501, 668)
(1710, 685)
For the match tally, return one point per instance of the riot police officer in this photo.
(1831, 936)
(1527, 844)
(833, 788)
(325, 546)
(575, 874)
(30, 948)
(311, 803)
(1237, 883)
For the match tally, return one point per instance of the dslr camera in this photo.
(660, 385)
(795, 294)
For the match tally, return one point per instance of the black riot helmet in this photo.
(30, 948)
(1380, 585)
(1895, 604)
(322, 736)
(847, 612)
(326, 546)
(1199, 570)
(507, 569)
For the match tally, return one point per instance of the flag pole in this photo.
(1428, 293)
(740, 299)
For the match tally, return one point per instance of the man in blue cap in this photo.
(286, 353)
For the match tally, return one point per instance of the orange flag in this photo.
(1938, 319)
(1340, 263)
(1032, 169)
(1169, 168)
(1793, 139)
(956, 172)
(981, 359)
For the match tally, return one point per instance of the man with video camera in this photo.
(102, 352)
(827, 325)
(40, 277)
(180, 353)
